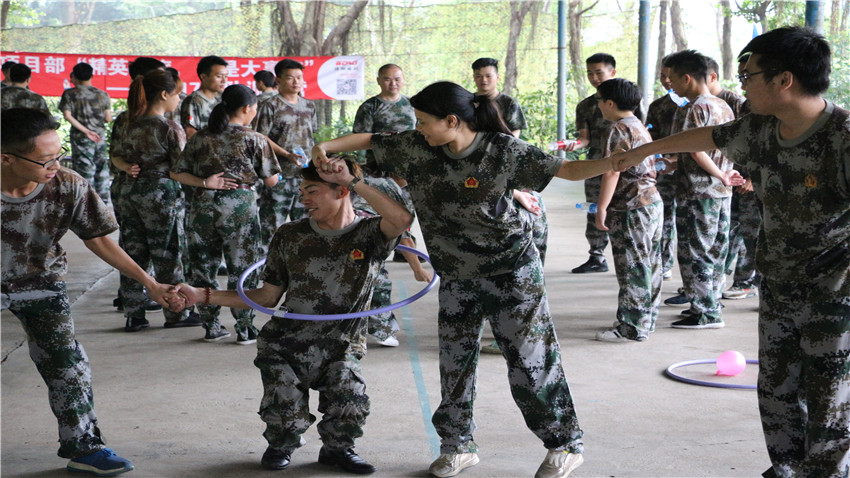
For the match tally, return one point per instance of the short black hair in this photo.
(206, 64)
(19, 127)
(286, 64)
(7, 64)
(387, 67)
(485, 62)
(175, 73)
(689, 62)
(19, 73)
(625, 94)
(265, 77)
(798, 50)
(713, 67)
(601, 58)
(310, 173)
(82, 71)
(143, 65)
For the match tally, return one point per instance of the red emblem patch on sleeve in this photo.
(811, 181)
(356, 255)
(470, 183)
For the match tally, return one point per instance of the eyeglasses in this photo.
(45, 164)
(744, 77)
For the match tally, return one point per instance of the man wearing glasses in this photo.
(39, 202)
(796, 146)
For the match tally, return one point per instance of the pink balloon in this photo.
(731, 363)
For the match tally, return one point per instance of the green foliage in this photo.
(20, 14)
(541, 113)
(331, 131)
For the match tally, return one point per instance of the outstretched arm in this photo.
(343, 144)
(109, 252)
(698, 139)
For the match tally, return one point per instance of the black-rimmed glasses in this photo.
(744, 77)
(45, 164)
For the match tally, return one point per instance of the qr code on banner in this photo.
(346, 86)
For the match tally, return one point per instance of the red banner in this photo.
(325, 77)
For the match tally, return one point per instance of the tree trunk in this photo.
(576, 61)
(728, 62)
(4, 13)
(69, 12)
(519, 9)
(833, 22)
(680, 42)
(662, 35)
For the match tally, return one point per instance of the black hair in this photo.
(689, 62)
(7, 64)
(265, 77)
(445, 98)
(175, 73)
(82, 71)
(625, 94)
(234, 97)
(286, 64)
(19, 127)
(665, 61)
(19, 73)
(713, 67)
(485, 62)
(148, 86)
(310, 173)
(601, 58)
(206, 64)
(142, 65)
(387, 67)
(798, 50)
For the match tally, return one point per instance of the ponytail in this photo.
(146, 90)
(445, 98)
(233, 98)
(136, 101)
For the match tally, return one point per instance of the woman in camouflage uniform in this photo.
(462, 165)
(224, 161)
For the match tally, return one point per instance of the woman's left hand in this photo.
(217, 181)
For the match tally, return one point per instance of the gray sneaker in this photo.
(492, 348)
(216, 334)
(740, 292)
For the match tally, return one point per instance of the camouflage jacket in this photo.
(589, 117)
(152, 142)
(511, 112)
(636, 186)
(288, 125)
(17, 97)
(195, 110)
(241, 153)
(88, 105)
(695, 182)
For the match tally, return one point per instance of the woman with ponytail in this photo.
(462, 167)
(152, 204)
(224, 161)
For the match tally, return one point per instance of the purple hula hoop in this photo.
(353, 315)
(705, 383)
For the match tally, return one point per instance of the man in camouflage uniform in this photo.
(7, 65)
(630, 209)
(195, 109)
(703, 196)
(266, 85)
(795, 146)
(88, 109)
(17, 95)
(289, 121)
(40, 202)
(327, 264)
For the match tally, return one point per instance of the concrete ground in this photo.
(179, 407)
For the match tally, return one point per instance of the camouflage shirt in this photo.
(154, 143)
(119, 125)
(660, 116)
(288, 125)
(735, 101)
(33, 225)
(389, 187)
(17, 97)
(195, 110)
(379, 116)
(511, 112)
(589, 117)
(175, 115)
(636, 186)
(265, 96)
(88, 105)
(241, 153)
(463, 200)
(804, 184)
(695, 182)
(327, 272)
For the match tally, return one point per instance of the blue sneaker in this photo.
(102, 463)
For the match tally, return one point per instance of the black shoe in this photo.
(345, 459)
(118, 304)
(678, 299)
(194, 320)
(151, 304)
(135, 325)
(692, 322)
(592, 265)
(275, 459)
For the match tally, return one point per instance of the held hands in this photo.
(335, 171)
(216, 181)
(182, 296)
(320, 159)
(133, 170)
(625, 160)
(601, 215)
(745, 188)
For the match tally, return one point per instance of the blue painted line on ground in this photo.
(416, 365)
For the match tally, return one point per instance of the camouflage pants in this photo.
(63, 365)
(743, 234)
(539, 225)
(597, 239)
(636, 244)
(515, 305)
(666, 186)
(804, 385)
(277, 205)
(703, 229)
(223, 222)
(287, 379)
(384, 325)
(89, 159)
(152, 234)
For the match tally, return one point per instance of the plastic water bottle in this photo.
(680, 102)
(660, 165)
(303, 160)
(649, 126)
(562, 144)
(587, 206)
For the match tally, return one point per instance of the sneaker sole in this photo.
(246, 342)
(736, 297)
(216, 339)
(461, 466)
(712, 325)
(83, 468)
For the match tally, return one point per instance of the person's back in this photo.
(195, 108)
(89, 106)
(695, 181)
(152, 142)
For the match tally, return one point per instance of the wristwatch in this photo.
(353, 183)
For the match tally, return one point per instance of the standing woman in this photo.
(223, 162)
(152, 204)
(462, 165)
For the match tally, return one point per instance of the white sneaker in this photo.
(559, 464)
(737, 292)
(610, 335)
(667, 275)
(389, 342)
(449, 464)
